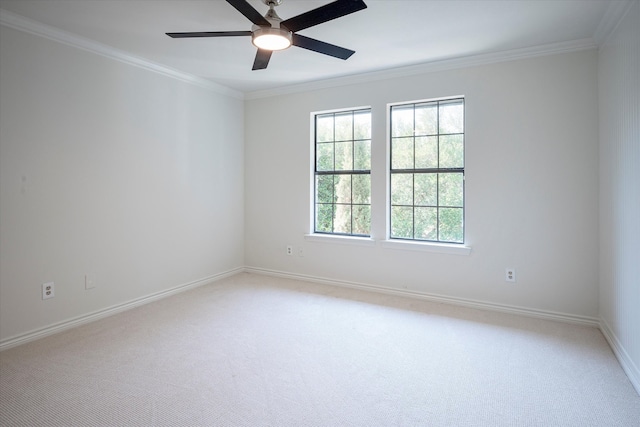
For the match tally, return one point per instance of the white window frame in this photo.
(385, 243)
(412, 243)
(327, 236)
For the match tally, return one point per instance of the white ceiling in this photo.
(387, 35)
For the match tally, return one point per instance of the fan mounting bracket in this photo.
(272, 2)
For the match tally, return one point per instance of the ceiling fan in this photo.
(270, 32)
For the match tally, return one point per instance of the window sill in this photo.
(342, 240)
(421, 246)
(442, 248)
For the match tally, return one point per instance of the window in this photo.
(342, 198)
(427, 171)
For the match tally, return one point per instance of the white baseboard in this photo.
(482, 305)
(626, 362)
(110, 311)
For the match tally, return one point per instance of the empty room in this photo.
(320, 213)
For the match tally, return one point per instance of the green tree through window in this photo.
(427, 171)
(343, 173)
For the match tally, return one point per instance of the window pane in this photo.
(427, 119)
(344, 126)
(324, 157)
(402, 153)
(402, 121)
(426, 152)
(451, 117)
(343, 188)
(452, 151)
(362, 153)
(402, 222)
(342, 220)
(324, 128)
(426, 227)
(402, 189)
(324, 189)
(426, 189)
(450, 189)
(362, 125)
(361, 219)
(342, 147)
(451, 225)
(324, 218)
(361, 189)
(427, 142)
(344, 156)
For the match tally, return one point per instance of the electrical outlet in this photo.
(48, 290)
(289, 250)
(510, 275)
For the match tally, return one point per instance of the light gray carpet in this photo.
(260, 351)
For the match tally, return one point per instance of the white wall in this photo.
(619, 93)
(110, 170)
(532, 185)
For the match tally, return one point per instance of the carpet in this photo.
(253, 350)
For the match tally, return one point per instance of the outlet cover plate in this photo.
(510, 274)
(89, 282)
(48, 290)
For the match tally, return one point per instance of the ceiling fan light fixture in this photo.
(270, 33)
(271, 38)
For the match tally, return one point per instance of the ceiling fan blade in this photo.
(322, 14)
(209, 34)
(262, 59)
(247, 10)
(321, 47)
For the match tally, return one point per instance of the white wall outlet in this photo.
(510, 274)
(48, 290)
(89, 282)
(289, 250)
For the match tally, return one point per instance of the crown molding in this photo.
(429, 67)
(611, 18)
(30, 26)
